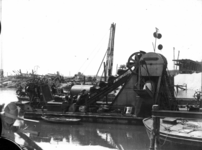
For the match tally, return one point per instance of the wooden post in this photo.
(157, 89)
(105, 73)
(154, 137)
(84, 80)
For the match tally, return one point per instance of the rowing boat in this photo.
(177, 131)
(61, 120)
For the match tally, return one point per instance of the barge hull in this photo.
(89, 117)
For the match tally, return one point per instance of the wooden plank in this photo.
(177, 114)
(170, 120)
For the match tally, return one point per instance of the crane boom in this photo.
(110, 51)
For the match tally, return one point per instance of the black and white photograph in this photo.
(100, 74)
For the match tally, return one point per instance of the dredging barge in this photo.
(144, 83)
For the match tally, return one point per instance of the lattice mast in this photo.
(110, 51)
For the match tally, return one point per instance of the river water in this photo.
(89, 136)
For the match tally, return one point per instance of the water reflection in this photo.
(119, 137)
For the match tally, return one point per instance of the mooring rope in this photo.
(167, 129)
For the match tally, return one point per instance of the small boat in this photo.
(61, 120)
(177, 131)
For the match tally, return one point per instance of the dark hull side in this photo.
(89, 117)
(61, 120)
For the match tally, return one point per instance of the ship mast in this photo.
(110, 51)
(109, 54)
(1, 69)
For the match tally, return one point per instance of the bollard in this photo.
(154, 137)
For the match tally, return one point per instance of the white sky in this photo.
(60, 35)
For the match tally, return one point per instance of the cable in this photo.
(91, 60)
(91, 53)
(166, 128)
